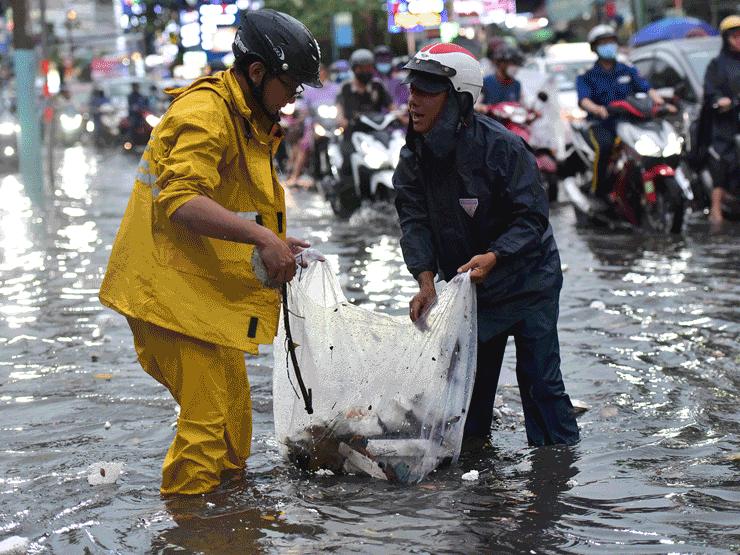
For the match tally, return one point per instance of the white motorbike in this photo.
(377, 141)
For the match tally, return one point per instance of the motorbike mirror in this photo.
(543, 96)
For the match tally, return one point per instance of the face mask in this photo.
(383, 67)
(607, 51)
(364, 78)
(511, 71)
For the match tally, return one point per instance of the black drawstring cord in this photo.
(307, 395)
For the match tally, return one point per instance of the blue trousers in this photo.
(602, 140)
(548, 412)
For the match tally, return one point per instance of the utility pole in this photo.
(29, 143)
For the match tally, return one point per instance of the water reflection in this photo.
(648, 332)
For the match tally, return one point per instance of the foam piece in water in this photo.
(101, 473)
(14, 545)
(471, 476)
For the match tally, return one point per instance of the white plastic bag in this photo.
(389, 396)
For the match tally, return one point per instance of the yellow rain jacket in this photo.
(210, 142)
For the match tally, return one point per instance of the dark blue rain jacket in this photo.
(488, 170)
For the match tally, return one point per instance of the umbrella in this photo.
(671, 28)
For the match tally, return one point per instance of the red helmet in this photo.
(453, 62)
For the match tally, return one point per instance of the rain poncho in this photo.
(208, 143)
(389, 397)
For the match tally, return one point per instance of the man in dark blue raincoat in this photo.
(469, 198)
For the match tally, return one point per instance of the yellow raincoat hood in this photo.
(210, 142)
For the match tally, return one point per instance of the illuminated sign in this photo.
(483, 7)
(415, 15)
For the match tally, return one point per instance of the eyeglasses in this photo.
(291, 89)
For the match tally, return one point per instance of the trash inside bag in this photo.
(389, 396)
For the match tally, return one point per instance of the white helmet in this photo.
(601, 32)
(451, 61)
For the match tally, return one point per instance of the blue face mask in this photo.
(383, 68)
(607, 51)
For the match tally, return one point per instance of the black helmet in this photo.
(508, 54)
(281, 42)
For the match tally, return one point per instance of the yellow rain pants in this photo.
(209, 382)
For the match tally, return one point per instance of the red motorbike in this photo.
(518, 119)
(649, 188)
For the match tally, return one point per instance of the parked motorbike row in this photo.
(653, 186)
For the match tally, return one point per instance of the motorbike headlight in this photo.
(674, 146)
(90, 126)
(288, 109)
(374, 153)
(319, 130)
(152, 120)
(576, 113)
(375, 160)
(645, 146)
(9, 151)
(326, 111)
(70, 123)
(7, 128)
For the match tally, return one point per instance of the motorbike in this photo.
(136, 136)
(69, 126)
(377, 140)
(518, 119)
(106, 131)
(326, 133)
(9, 130)
(649, 187)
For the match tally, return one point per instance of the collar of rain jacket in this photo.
(241, 102)
(442, 138)
(265, 129)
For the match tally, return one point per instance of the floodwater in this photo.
(649, 334)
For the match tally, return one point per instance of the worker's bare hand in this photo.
(480, 266)
(277, 257)
(422, 302)
(296, 247)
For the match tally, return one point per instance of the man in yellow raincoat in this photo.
(206, 198)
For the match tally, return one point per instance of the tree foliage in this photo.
(368, 18)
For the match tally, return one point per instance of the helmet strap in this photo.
(258, 92)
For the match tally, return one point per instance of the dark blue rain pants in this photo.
(548, 413)
(602, 140)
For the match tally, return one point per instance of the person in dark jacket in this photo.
(722, 93)
(469, 199)
(608, 80)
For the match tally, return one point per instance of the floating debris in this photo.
(609, 411)
(598, 305)
(324, 472)
(103, 376)
(107, 425)
(471, 476)
(101, 473)
(579, 407)
(14, 545)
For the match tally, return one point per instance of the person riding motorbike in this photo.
(469, 199)
(722, 93)
(97, 101)
(361, 95)
(137, 105)
(205, 208)
(502, 85)
(607, 81)
(312, 99)
(384, 66)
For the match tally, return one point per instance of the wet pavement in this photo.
(649, 340)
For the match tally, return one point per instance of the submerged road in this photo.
(649, 338)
